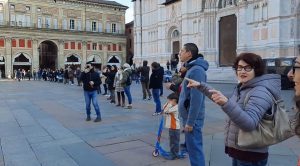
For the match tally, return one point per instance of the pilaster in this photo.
(35, 55)
(84, 49)
(61, 57)
(8, 60)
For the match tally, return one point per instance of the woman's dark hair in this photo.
(254, 60)
(145, 63)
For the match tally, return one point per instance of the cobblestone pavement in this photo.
(43, 123)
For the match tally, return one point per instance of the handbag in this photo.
(272, 128)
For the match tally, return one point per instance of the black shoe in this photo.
(88, 118)
(98, 119)
(150, 98)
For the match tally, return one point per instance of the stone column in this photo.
(35, 56)
(61, 57)
(84, 56)
(105, 53)
(8, 59)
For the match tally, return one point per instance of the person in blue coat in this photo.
(191, 103)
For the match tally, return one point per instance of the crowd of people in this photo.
(186, 106)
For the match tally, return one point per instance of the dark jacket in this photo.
(156, 79)
(110, 79)
(144, 70)
(191, 101)
(90, 76)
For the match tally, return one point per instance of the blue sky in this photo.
(129, 11)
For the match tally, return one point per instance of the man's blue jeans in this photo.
(236, 162)
(155, 94)
(194, 144)
(128, 94)
(91, 96)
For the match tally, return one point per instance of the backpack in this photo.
(129, 80)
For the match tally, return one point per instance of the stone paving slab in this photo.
(85, 155)
(121, 146)
(53, 155)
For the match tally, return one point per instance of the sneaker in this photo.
(118, 105)
(158, 113)
(98, 119)
(144, 99)
(88, 118)
(169, 157)
(154, 114)
(128, 107)
(150, 98)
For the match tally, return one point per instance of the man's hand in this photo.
(91, 83)
(188, 128)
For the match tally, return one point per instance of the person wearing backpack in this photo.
(126, 82)
(260, 88)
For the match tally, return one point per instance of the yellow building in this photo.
(44, 34)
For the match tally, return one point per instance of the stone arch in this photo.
(72, 58)
(53, 41)
(224, 3)
(48, 54)
(21, 57)
(22, 60)
(96, 60)
(114, 60)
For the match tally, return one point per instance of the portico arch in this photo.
(96, 60)
(48, 54)
(22, 60)
(73, 60)
(114, 60)
(174, 36)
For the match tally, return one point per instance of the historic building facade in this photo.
(130, 42)
(220, 28)
(44, 34)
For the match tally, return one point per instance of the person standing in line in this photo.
(103, 80)
(91, 80)
(191, 103)
(119, 88)
(34, 75)
(66, 76)
(168, 65)
(144, 70)
(71, 75)
(19, 75)
(29, 75)
(156, 80)
(78, 73)
(126, 82)
(110, 74)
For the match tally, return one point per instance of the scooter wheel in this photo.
(155, 153)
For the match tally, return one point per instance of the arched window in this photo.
(175, 34)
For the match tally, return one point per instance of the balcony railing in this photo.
(15, 24)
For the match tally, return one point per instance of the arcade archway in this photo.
(48, 55)
(22, 61)
(73, 60)
(96, 61)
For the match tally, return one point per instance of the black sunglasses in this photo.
(294, 68)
